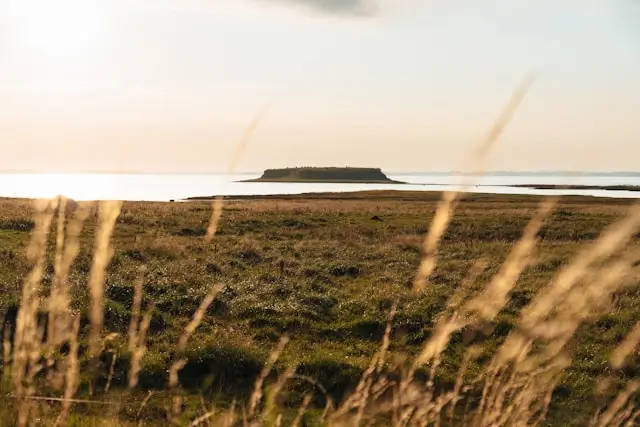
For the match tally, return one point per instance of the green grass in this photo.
(323, 271)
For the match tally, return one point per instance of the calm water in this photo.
(172, 186)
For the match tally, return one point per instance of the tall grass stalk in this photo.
(102, 253)
(626, 348)
(444, 212)
(218, 202)
(138, 331)
(60, 324)
(28, 334)
(181, 361)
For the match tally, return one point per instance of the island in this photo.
(344, 175)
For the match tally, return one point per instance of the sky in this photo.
(405, 85)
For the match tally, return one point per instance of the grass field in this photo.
(325, 270)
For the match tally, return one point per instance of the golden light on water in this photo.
(45, 186)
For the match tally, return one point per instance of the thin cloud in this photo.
(335, 7)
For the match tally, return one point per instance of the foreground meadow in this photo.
(334, 275)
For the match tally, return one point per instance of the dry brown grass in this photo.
(108, 214)
(28, 334)
(626, 348)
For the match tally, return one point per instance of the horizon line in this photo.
(425, 172)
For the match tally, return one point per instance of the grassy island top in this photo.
(325, 174)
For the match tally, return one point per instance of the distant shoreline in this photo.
(402, 196)
(577, 187)
(395, 173)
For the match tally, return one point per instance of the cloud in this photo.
(336, 7)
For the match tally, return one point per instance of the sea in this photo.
(165, 187)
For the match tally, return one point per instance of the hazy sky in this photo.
(170, 85)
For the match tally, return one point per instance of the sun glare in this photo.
(78, 187)
(54, 29)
